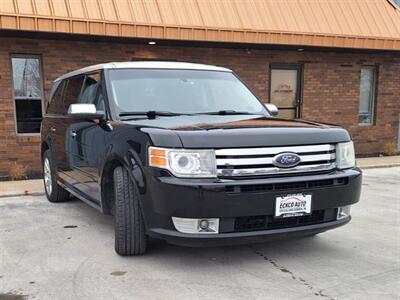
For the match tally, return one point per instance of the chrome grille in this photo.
(259, 161)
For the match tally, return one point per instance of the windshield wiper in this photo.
(227, 112)
(151, 114)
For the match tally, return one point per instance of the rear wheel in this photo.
(130, 237)
(54, 192)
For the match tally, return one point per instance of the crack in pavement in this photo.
(315, 291)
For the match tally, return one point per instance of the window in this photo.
(28, 94)
(73, 89)
(56, 105)
(91, 92)
(180, 91)
(367, 95)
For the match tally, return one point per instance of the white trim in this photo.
(144, 65)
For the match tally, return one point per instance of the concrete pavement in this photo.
(65, 251)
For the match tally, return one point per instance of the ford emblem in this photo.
(286, 160)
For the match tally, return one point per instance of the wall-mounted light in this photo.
(300, 49)
(152, 43)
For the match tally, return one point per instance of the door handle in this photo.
(73, 133)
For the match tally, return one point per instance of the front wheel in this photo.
(54, 192)
(130, 237)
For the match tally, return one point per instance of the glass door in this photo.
(285, 84)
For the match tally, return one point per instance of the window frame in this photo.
(42, 99)
(373, 93)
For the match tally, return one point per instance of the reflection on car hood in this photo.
(210, 131)
(209, 122)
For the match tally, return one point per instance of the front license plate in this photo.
(293, 205)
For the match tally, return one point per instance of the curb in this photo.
(379, 166)
(22, 195)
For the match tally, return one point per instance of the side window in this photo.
(28, 93)
(92, 92)
(72, 90)
(56, 105)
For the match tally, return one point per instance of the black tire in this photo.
(130, 236)
(56, 193)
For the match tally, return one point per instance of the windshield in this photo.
(181, 92)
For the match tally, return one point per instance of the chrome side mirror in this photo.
(272, 109)
(85, 111)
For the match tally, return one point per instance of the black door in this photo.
(55, 119)
(285, 89)
(66, 161)
(87, 141)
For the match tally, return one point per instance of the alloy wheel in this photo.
(47, 176)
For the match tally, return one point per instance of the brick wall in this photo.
(330, 89)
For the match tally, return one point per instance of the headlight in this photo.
(345, 157)
(184, 163)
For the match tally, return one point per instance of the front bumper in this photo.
(239, 238)
(231, 199)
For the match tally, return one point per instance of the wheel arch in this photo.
(46, 144)
(107, 178)
(43, 147)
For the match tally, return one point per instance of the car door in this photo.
(88, 140)
(67, 173)
(55, 114)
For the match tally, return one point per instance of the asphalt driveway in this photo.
(65, 251)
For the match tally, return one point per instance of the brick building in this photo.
(330, 61)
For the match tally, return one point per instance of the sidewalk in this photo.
(21, 187)
(35, 187)
(378, 162)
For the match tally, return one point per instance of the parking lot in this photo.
(65, 251)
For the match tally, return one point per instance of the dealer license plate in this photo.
(293, 205)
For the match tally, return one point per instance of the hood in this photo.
(209, 131)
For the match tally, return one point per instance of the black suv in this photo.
(187, 153)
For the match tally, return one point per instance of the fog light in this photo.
(203, 224)
(343, 212)
(186, 225)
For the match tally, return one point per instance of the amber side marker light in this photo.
(158, 158)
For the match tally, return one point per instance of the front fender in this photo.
(129, 160)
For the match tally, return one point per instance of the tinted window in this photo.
(181, 91)
(56, 105)
(28, 96)
(73, 89)
(92, 92)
